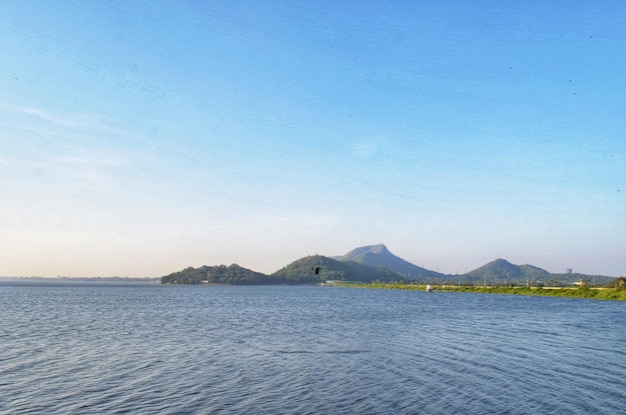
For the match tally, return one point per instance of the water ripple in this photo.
(94, 349)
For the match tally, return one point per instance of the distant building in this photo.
(569, 271)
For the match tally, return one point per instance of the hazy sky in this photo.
(139, 138)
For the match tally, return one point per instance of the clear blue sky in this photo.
(141, 137)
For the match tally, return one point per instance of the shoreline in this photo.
(600, 293)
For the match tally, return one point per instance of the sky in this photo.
(140, 138)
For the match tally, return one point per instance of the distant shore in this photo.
(83, 279)
(575, 292)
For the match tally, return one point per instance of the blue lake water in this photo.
(151, 349)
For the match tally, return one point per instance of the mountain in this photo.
(501, 270)
(379, 256)
(303, 271)
(375, 263)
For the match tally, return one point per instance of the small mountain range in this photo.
(375, 263)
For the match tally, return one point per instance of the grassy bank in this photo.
(582, 292)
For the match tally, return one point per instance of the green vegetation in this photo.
(600, 293)
(618, 284)
(302, 271)
(233, 274)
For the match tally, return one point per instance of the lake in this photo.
(97, 348)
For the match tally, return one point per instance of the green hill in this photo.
(502, 271)
(220, 274)
(303, 271)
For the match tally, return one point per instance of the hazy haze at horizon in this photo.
(139, 138)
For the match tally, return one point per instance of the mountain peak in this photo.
(364, 250)
(380, 257)
(378, 248)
